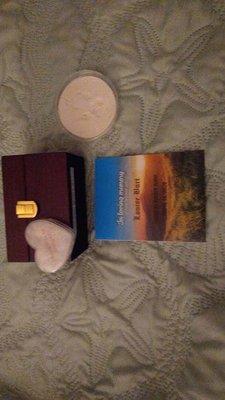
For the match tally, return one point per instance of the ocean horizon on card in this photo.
(151, 197)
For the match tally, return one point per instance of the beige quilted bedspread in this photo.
(126, 321)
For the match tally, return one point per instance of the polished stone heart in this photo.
(52, 242)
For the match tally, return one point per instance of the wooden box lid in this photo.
(56, 182)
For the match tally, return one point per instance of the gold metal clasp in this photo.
(26, 209)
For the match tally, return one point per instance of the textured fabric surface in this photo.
(126, 321)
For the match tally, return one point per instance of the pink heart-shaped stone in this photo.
(52, 241)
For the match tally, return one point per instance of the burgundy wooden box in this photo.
(56, 182)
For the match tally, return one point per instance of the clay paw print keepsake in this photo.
(52, 242)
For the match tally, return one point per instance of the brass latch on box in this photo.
(26, 209)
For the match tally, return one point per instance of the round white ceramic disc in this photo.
(87, 106)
